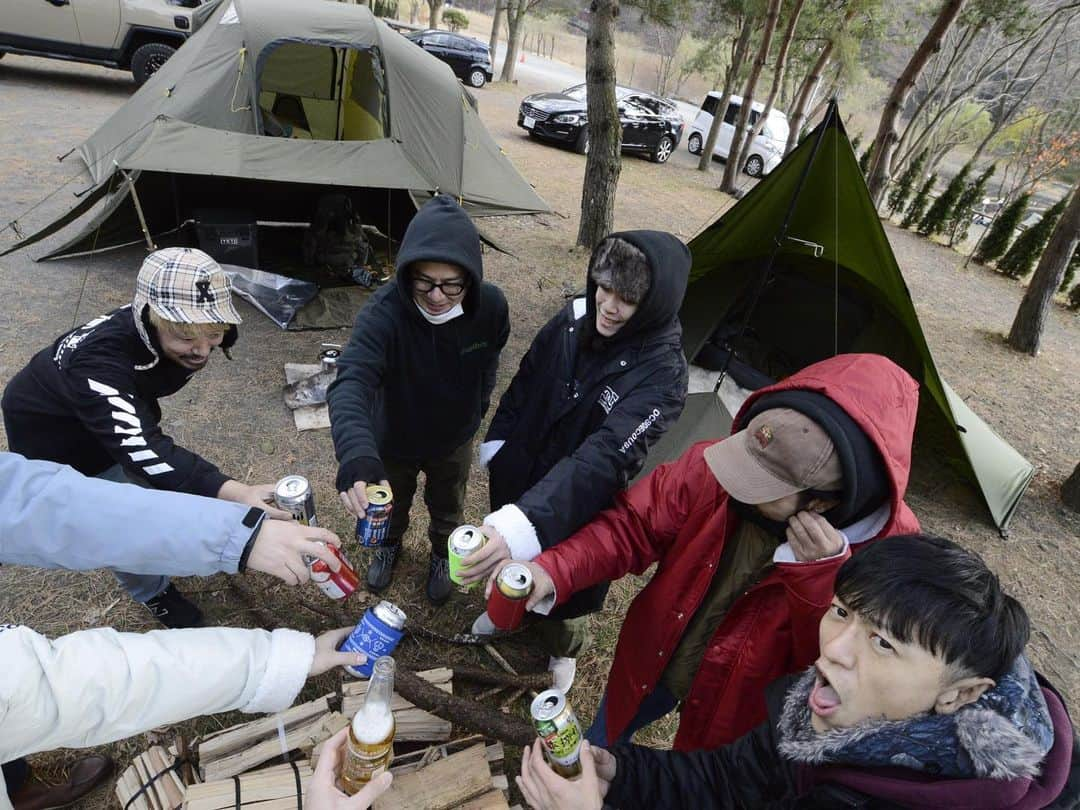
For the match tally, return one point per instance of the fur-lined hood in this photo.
(1005, 734)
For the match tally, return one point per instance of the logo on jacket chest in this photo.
(608, 398)
(474, 347)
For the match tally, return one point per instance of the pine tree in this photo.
(996, 241)
(864, 161)
(1025, 251)
(901, 192)
(968, 200)
(939, 218)
(918, 205)
(1070, 273)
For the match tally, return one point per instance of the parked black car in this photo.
(650, 124)
(469, 58)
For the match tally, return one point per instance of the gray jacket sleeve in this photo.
(53, 517)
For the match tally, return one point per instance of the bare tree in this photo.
(778, 78)
(732, 167)
(739, 47)
(1027, 327)
(603, 157)
(434, 12)
(886, 137)
(515, 16)
(496, 21)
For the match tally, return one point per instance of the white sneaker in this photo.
(563, 670)
(483, 625)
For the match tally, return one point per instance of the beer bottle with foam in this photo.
(369, 747)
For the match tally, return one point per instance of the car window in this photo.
(634, 110)
(441, 40)
(732, 113)
(650, 104)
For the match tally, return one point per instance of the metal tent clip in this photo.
(818, 249)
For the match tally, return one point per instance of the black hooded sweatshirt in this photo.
(90, 400)
(582, 411)
(406, 388)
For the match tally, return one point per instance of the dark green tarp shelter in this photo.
(804, 262)
(274, 102)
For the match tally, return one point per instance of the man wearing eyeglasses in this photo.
(414, 383)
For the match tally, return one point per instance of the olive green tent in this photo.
(801, 269)
(270, 104)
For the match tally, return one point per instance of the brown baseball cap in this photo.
(780, 452)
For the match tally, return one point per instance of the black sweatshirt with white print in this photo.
(91, 401)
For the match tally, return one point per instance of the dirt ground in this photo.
(233, 412)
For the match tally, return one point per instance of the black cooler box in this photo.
(229, 235)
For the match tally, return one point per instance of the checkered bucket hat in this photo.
(184, 285)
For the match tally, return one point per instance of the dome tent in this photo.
(365, 109)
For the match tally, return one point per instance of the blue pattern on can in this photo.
(374, 528)
(373, 637)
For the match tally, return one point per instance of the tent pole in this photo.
(138, 207)
(778, 240)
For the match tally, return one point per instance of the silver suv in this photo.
(136, 35)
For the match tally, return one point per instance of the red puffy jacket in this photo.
(679, 516)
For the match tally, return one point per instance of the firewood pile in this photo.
(267, 763)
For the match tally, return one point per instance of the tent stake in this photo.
(138, 208)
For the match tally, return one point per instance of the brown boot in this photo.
(83, 777)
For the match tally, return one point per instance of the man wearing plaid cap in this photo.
(90, 400)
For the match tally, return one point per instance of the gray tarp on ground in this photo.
(199, 114)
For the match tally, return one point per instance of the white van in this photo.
(768, 147)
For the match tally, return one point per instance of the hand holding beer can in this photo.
(293, 494)
(336, 585)
(506, 604)
(560, 730)
(463, 541)
(376, 634)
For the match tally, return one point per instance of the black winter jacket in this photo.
(91, 401)
(581, 413)
(406, 388)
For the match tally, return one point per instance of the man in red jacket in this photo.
(748, 533)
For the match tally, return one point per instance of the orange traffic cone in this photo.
(522, 59)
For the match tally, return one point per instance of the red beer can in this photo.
(337, 585)
(506, 604)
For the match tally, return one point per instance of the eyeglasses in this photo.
(449, 288)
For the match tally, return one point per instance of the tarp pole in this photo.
(138, 208)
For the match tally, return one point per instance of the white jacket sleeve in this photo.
(96, 686)
(53, 517)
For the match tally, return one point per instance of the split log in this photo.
(539, 681)
(450, 782)
(467, 714)
(266, 789)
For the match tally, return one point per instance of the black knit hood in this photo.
(441, 231)
(669, 262)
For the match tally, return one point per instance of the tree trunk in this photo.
(414, 11)
(493, 43)
(885, 139)
(732, 167)
(515, 15)
(603, 161)
(797, 117)
(779, 69)
(434, 13)
(1030, 318)
(742, 44)
(1070, 490)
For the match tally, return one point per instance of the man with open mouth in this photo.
(921, 697)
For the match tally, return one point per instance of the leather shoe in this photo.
(83, 777)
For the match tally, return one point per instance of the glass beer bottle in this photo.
(369, 747)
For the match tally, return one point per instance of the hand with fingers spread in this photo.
(259, 495)
(479, 565)
(280, 547)
(327, 655)
(543, 586)
(812, 537)
(544, 789)
(323, 792)
(355, 498)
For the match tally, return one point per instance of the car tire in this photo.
(755, 166)
(694, 144)
(477, 78)
(148, 58)
(581, 145)
(663, 149)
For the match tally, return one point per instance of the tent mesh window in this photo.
(322, 92)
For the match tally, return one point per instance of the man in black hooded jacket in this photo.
(415, 381)
(601, 382)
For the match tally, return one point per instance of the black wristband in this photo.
(254, 521)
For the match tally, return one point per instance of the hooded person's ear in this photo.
(960, 693)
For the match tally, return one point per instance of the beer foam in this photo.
(373, 724)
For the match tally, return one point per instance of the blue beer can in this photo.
(376, 634)
(374, 528)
